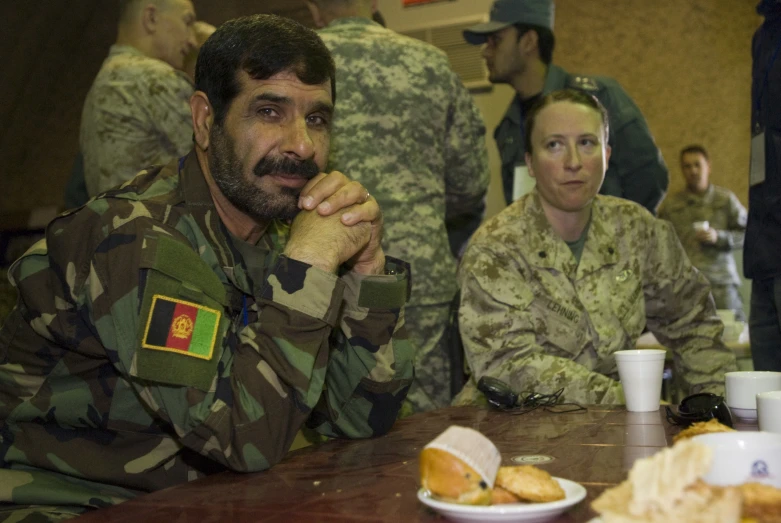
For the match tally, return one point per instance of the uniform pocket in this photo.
(561, 328)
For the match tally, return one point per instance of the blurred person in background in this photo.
(518, 49)
(137, 111)
(710, 222)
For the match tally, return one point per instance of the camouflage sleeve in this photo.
(370, 367)
(152, 107)
(466, 166)
(243, 401)
(500, 336)
(172, 111)
(682, 314)
(635, 157)
(732, 237)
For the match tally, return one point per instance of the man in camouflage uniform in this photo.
(518, 50)
(137, 111)
(408, 130)
(183, 325)
(556, 283)
(709, 249)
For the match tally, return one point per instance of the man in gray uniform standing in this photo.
(518, 50)
(408, 130)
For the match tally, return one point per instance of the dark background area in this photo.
(50, 52)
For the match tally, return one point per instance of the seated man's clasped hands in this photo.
(352, 235)
(564, 277)
(194, 319)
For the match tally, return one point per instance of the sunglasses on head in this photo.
(704, 406)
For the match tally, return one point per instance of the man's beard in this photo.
(258, 204)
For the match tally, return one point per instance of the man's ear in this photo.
(314, 10)
(149, 15)
(529, 42)
(203, 118)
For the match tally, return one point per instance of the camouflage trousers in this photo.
(427, 328)
(728, 297)
(37, 514)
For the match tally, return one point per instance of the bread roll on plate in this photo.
(460, 466)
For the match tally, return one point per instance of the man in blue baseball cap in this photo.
(518, 49)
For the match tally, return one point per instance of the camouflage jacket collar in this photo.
(116, 50)
(549, 251)
(199, 203)
(704, 198)
(684, 199)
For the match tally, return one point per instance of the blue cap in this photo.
(505, 13)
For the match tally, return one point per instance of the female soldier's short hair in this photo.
(563, 95)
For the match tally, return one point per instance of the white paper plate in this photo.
(526, 512)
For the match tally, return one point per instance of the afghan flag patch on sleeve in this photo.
(181, 327)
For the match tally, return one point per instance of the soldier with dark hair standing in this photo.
(518, 50)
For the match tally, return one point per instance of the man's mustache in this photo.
(286, 166)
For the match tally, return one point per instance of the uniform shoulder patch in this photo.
(586, 83)
(181, 327)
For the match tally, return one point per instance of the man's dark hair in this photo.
(695, 149)
(563, 95)
(262, 46)
(546, 40)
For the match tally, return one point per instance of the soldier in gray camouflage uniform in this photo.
(407, 129)
(561, 279)
(183, 324)
(137, 111)
(709, 249)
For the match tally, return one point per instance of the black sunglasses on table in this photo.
(704, 406)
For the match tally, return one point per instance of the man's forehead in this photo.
(693, 156)
(288, 82)
(504, 31)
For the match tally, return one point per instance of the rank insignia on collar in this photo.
(181, 327)
(586, 83)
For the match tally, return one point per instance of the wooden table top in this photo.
(376, 480)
